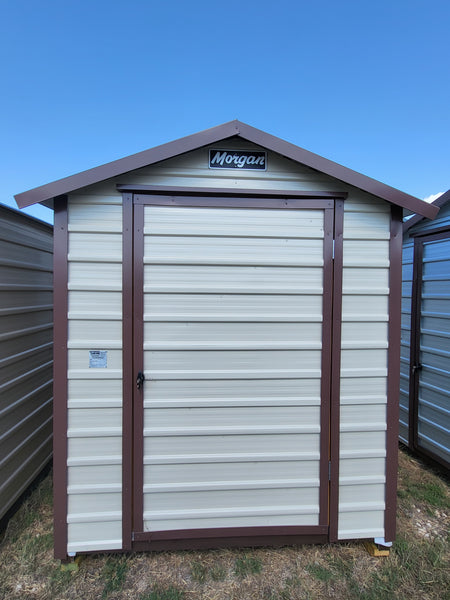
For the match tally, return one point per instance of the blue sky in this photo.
(365, 84)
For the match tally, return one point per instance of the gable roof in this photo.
(214, 135)
(439, 203)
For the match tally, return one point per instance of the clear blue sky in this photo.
(366, 84)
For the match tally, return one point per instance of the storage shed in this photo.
(227, 345)
(425, 361)
(26, 324)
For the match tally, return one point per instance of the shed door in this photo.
(430, 415)
(232, 332)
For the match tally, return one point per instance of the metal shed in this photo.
(425, 362)
(227, 346)
(26, 323)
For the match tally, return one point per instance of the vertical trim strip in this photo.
(327, 321)
(138, 362)
(60, 382)
(336, 368)
(127, 371)
(393, 380)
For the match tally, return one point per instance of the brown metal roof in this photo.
(214, 135)
(439, 203)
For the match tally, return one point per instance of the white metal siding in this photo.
(364, 368)
(232, 392)
(94, 394)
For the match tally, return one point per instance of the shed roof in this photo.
(209, 136)
(439, 203)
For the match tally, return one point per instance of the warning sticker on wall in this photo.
(98, 359)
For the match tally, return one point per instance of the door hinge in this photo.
(329, 470)
(334, 241)
(132, 536)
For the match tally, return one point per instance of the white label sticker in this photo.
(98, 359)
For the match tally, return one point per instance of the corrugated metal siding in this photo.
(95, 291)
(433, 428)
(26, 324)
(431, 423)
(405, 349)
(94, 394)
(364, 368)
(232, 395)
(442, 220)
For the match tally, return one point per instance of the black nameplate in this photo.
(238, 159)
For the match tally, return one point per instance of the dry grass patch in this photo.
(418, 566)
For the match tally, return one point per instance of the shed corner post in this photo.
(60, 302)
(393, 380)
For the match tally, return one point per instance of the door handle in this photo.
(416, 368)
(140, 380)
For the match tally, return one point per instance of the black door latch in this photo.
(140, 380)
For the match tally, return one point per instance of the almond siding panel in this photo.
(253, 303)
(364, 369)
(247, 362)
(26, 328)
(94, 394)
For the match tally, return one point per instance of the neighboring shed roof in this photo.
(439, 203)
(213, 135)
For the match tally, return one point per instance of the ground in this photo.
(418, 565)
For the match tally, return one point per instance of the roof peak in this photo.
(214, 135)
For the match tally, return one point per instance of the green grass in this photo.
(114, 573)
(247, 565)
(159, 593)
(199, 571)
(431, 493)
(320, 572)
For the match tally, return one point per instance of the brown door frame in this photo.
(133, 210)
(420, 238)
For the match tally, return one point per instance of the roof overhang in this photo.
(438, 203)
(214, 135)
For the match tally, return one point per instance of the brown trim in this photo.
(230, 532)
(393, 380)
(330, 273)
(248, 541)
(435, 231)
(138, 365)
(127, 370)
(214, 135)
(336, 368)
(431, 236)
(325, 393)
(439, 202)
(233, 192)
(218, 201)
(60, 297)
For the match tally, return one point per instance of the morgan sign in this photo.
(238, 159)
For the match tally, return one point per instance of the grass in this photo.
(114, 573)
(418, 567)
(247, 565)
(170, 593)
